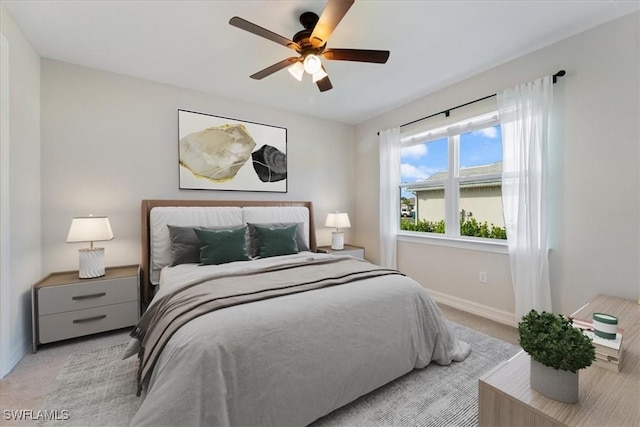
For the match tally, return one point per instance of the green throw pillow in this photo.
(254, 238)
(221, 246)
(276, 241)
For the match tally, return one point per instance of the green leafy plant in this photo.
(551, 340)
(468, 227)
(471, 227)
(422, 225)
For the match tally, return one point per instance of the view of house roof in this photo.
(436, 181)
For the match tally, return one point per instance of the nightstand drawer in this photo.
(61, 326)
(78, 296)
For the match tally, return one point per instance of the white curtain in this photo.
(524, 114)
(389, 195)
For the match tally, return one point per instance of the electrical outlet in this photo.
(482, 277)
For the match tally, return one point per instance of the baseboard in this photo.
(17, 353)
(487, 312)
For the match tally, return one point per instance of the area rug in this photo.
(98, 389)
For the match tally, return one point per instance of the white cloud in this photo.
(410, 172)
(415, 151)
(491, 132)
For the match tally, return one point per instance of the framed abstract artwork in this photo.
(219, 153)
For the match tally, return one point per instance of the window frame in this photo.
(487, 116)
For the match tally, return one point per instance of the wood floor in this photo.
(481, 324)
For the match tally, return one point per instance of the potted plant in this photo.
(558, 351)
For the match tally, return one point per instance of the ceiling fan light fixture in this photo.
(319, 75)
(297, 71)
(312, 64)
(311, 45)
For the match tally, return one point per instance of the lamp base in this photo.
(337, 241)
(91, 263)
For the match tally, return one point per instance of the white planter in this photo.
(554, 383)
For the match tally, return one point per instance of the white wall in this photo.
(595, 200)
(23, 256)
(109, 141)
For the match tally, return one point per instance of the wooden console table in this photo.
(606, 398)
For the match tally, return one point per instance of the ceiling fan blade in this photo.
(324, 84)
(275, 67)
(243, 24)
(331, 16)
(360, 55)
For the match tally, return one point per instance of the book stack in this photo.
(608, 351)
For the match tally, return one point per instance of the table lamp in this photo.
(337, 220)
(90, 229)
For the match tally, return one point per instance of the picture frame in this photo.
(221, 153)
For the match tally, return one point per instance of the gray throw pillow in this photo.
(254, 238)
(185, 246)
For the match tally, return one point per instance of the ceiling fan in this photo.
(311, 45)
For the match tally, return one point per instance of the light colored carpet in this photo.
(98, 389)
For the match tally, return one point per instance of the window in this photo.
(451, 179)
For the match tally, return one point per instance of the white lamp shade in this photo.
(90, 229)
(337, 220)
(297, 71)
(319, 75)
(312, 64)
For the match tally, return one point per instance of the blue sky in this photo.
(420, 161)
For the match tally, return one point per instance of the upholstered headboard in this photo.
(228, 213)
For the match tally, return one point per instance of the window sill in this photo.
(477, 244)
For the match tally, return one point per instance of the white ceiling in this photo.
(190, 44)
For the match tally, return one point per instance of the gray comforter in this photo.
(292, 359)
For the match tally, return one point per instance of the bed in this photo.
(279, 339)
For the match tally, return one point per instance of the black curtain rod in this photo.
(447, 112)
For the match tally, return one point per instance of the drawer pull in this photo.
(90, 319)
(80, 297)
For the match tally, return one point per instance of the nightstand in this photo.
(65, 306)
(354, 251)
